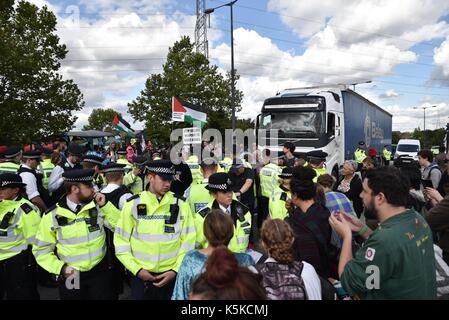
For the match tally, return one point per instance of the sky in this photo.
(402, 47)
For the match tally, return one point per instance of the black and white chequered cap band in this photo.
(13, 155)
(83, 179)
(162, 170)
(286, 174)
(223, 186)
(113, 170)
(93, 161)
(7, 183)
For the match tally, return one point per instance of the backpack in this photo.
(283, 282)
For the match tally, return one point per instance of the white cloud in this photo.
(390, 94)
(365, 20)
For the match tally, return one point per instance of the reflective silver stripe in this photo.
(187, 246)
(122, 249)
(20, 248)
(31, 239)
(242, 240)
(42, 252)
(41, 243)
(155, 237)
(155, 257)
(154, 217)
(122, 233)
(188, 230)
(83, 239)
(81, 257)
(12, 238)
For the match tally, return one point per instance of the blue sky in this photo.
(401, 46)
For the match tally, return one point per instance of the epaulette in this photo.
(132, 198)
(53, 207)
(26, 208)
(180, 197)
(203, 212)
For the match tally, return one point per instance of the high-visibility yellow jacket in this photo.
(319, 172)
(198, 196)
(359, 155)
(74, 239)
(47, 168)
(135, 183)
(276, 204)
(387, 154)
(195, 169)
(9, 167)
(242, 226)
(269, 179)
(128, 165)
(147, 238)
(19, 220)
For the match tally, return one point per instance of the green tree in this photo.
(35, 101)
(396, 135)
(101, 119)
(190, 77)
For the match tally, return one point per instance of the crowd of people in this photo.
(247, 226)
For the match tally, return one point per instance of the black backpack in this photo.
(283, 282)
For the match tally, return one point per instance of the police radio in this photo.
(174, 212)
(93, 215)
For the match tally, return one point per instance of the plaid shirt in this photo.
(337, 201)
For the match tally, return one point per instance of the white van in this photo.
(408, 148)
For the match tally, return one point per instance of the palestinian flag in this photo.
(121, 125)
(187, 112)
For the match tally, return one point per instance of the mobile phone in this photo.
(427, 183)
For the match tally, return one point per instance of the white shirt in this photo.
(311, 280)
(112, 187)
(72, 205)
(225, 210)
(56, 180)
(31, 183)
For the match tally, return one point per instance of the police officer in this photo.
(135, 180)
(35, 190)
(122, 159)
(19, 221)
(117, 194)
(56, 181)
(220, 187)
(46, 166)
(154, 232)
(268, 182)
(317, 160)
(92, 161)
(71, 241)
(360, 153)
(281, 195)
(12, 156)
(197, 195)
(386, 155)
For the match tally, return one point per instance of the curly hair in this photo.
(277, 238)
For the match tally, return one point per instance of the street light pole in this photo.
(232, 68)
(209, 11)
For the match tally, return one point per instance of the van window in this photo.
(408, 148)
(330, 124)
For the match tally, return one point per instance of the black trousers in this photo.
(147, 291)
(18, 277)
(96, 284)
(263, 210)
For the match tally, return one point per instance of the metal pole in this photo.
(424, 119)
(232, 71)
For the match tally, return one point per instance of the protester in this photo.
(351, 185)
(218, 230)
(224, 279)
(309, 222)
(430, 170)
(443, 186)
(397, 261)
(283, 277)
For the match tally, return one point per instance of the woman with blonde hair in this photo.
(283, 277)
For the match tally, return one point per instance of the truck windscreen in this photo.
(298, 123)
